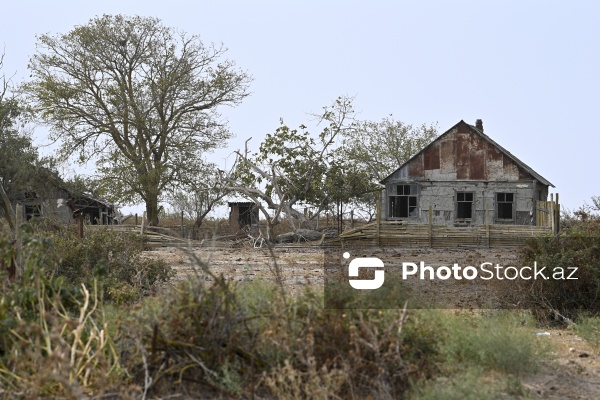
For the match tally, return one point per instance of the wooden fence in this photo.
(400, 233)
(548, 213)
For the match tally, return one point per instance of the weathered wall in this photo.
(442, 198)
(57, 209)
(234, 217)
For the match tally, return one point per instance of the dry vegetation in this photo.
(67, 332)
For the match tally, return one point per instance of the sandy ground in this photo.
(572, 373)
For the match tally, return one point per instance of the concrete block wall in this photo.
(441, 195)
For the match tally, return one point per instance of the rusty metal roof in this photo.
(513, 157)
(508, 154)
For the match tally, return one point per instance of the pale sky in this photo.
(529, 69)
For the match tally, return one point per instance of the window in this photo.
(32, 210)
(464, 205)
(404, 204)
(504, 203)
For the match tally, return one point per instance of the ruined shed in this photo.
(468, 180)
(62, 205)
(243, 215)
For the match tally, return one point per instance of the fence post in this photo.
(378, 218)
(430, 225)
(181, 223)
(80, 225)
(557, 211)
(19, 240)
(551, 212)
(487, 225)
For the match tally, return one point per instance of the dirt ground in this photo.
(572, 373)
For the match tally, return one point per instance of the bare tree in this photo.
(199, 197)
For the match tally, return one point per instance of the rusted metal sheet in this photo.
(463, 143)
(447, 156)
(477, 157)
(511, 171)
(493, 153)
(463, 127)
(494, 166)
(524, 175)
(465, 155)
(462, 172)
(415, 169)
(431, 157)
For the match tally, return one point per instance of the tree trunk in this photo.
(9, 213)
(152, 210)
(196, 228)
(270, 226)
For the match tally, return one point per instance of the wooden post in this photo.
(18, 239)
(136, 219)
(378, 218)
(351, 218)
(430, 225)
(143, 229)
(551, 212)
(181, 223)
(80, 225)
(557, 211)
(487, 225)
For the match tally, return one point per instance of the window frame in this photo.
(412, 197)
(457, 202)
(502, 202)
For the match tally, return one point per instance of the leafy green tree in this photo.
(21, 170)
(376, 148)
(294, 168)
(137, 97)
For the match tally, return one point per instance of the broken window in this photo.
(32, 210)
(504, 205)
(464, 205)
(404, 204)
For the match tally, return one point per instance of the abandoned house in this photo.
(467, 179)
(243, 215)
(62, 205)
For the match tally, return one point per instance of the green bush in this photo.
(245, 338)
(499, 341)
(53, 337)
(112, 258)
(589, 328)
(578, 245)
(213, 338)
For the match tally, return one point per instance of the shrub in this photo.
(246, 338)
(499, 341)
(114, 258)
(576, 246)
(589, 328)
(54, 341)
